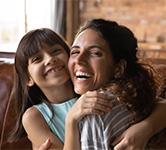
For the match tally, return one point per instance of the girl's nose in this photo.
(50, 60)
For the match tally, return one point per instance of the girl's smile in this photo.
(53, 71)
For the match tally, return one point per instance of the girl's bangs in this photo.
(38, 41)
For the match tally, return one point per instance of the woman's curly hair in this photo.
(137, 89)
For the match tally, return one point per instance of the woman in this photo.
(104, 53)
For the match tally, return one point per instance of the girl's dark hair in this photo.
(137, 87)
(27, 96)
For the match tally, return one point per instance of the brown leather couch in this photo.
(7, 109)
(7, 103)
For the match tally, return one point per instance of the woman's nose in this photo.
(49, 60)
(81, 59)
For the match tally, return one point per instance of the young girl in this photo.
(44, 90)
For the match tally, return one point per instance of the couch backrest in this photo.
(7, 109)
(6, 85)
(159, 64)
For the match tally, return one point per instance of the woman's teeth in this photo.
(83, 75)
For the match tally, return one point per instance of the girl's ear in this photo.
(30, 82)
(120, 68)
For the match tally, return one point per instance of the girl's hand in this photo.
(45, 145)
(135, 137)
(90, 103)
(138, 135)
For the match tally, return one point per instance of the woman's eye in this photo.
(73, 52)
(96, 53)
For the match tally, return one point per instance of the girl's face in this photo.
(91, 63)
(48, 67)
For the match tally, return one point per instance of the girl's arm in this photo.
(38, 130)
(157, 119)
(89, 103)
(138, 135)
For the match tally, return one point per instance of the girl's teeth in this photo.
(54, 70)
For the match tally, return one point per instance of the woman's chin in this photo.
(80, 91)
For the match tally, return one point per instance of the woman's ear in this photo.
(30, 82)
(120, 68)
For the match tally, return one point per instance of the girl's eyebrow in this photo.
(34, 55)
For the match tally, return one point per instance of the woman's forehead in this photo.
(89, 36)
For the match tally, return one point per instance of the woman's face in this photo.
(91, 63)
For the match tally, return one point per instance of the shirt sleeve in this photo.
(92, 134)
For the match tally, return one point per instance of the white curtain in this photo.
(58, 16)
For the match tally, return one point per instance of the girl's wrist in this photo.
(156, 121)
(71, 121)
(148, 128)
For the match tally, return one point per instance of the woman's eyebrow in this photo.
(95, 46)
(90, 47)
(75, 46)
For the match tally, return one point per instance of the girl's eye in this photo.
(55, 51)
(36, 59)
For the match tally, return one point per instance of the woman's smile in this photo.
(82, 76)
